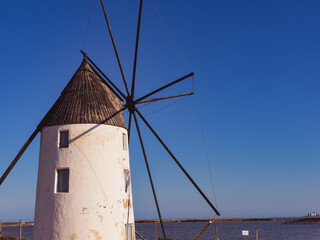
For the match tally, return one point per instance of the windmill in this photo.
(90, 109)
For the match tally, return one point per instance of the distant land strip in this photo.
(231, 219)
(289, 219)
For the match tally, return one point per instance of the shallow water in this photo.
(233, 230)
(268, 230)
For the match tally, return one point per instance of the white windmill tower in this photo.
(84, 185)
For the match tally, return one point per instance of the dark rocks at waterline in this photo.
(308, 220)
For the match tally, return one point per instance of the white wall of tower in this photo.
(97, 206)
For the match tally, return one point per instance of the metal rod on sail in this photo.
(26, 145)
(164, 87)
(202, 230)
(16, 159)
(114, 47)
(164, 98)
(177, 162)
(149, 174)
(136, 50)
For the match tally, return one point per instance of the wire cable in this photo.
(87, 27)
(179, 100)
(196, 97)
(205, 144)
(146, 104)
(173, 41)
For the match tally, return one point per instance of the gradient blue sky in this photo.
(257, 72)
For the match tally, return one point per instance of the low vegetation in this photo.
(10, 238)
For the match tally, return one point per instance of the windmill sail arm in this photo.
(164, 98)
(202, 230)
(116, 92)
(95, 67)
(164, 87)
(16, 159)
(178, 163)
(149, 174)
(136, 50)
(114, 47)
(27, 143)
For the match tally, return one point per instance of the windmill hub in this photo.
(130, 104)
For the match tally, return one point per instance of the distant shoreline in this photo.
(229, 219)
(15, 224)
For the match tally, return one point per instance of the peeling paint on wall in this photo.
(123, 233)
(74, 237)
(84, 210)
(101, 218)
(126, 203)
(95, 233)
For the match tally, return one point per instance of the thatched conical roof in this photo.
(86, 99)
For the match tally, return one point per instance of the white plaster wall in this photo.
(96, 206)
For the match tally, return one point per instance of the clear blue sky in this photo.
(257, 78)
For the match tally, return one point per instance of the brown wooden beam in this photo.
(164, 98)
(177, 162)
(149, 174)
(16, 159)
(105, 76)
(114, 47)
(136, 50)
(164, 87)
(202, 231)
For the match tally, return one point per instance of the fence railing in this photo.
(20, 224)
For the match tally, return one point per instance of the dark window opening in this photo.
(64, 139)
(62, 180)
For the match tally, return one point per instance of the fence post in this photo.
(217, 237)
(155, 229)
(257, 234)
(0, 228)
(281, 236)
(20, 229)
